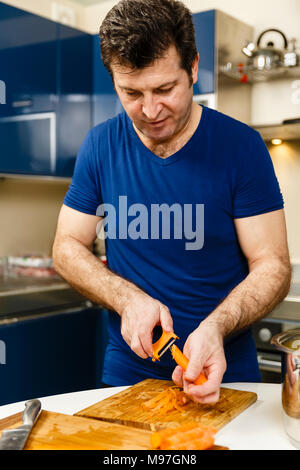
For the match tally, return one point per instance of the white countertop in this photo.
(259, 427)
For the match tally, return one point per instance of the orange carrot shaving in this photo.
(169, 399)
(183, 361)
(189, 436)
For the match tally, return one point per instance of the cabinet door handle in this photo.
(21, 103)
(267, 364)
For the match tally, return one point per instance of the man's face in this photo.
(157, 98)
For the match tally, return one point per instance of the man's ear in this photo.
(195, 65)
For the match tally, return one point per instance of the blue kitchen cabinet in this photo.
(52, 353)
(204, 24)
(48, 71)
(74, 100)
(28, 67)
(106, 103)
(27, 61)
(57, 88)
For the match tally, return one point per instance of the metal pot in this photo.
(288, 343)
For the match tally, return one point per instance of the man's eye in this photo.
(165, 90)
(132, 93)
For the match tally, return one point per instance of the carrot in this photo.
(183, 361)
(202, 443)
(189, 436)
(158, 437)
(180, 440)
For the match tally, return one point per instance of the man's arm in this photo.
(75, 262)
(263, 240)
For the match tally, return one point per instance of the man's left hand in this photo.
(204, 349)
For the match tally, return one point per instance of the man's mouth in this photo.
(156, 123)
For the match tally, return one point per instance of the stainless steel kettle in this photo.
(288, 343)
(268, 57)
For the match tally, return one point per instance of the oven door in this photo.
(269, 358)
(269, 366)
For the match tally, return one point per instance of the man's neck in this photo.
(167, 148)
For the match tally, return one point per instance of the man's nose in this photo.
(151, 108)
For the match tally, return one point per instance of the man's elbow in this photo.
(285, 274)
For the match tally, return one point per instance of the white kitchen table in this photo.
(259, 427)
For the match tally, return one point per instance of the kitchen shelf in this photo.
(236, 72)
(16, 176)
(279, 131)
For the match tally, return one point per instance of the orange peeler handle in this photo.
(183, 361)
(161, 343)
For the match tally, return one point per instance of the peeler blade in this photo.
(163, 344)
(166, 348)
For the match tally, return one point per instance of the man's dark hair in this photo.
(135, 33)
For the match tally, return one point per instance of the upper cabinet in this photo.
(57, 88)
(28, 67)
(74, 95)
(204, 25)
(75, 59)
(106, 103)
(47, 69)
(28, 61)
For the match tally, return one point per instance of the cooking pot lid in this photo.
(288, 341)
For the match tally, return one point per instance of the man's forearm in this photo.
(89, 276)
(266, 286)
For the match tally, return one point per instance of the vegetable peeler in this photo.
(163, 344)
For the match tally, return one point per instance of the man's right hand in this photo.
(140, 314)
(75, 262)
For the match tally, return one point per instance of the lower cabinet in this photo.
(52, 354)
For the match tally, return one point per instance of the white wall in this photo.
(261, 14)
(74, 15)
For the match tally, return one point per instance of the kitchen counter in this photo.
(28, 296)
(10, 285)
(259, 427)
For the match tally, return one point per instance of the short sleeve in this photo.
(84, 193)
(256, 188)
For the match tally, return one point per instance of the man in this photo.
(195, 229)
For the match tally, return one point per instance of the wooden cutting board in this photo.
(125, 408)
(56, 431)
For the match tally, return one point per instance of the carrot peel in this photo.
(169, 399)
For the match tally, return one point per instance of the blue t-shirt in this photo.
(169, 227)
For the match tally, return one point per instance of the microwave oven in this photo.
(28, 144)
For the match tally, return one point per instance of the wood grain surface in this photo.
(125, 408)
(56, 431)
(119, 422)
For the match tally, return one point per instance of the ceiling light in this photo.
(276, 141)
